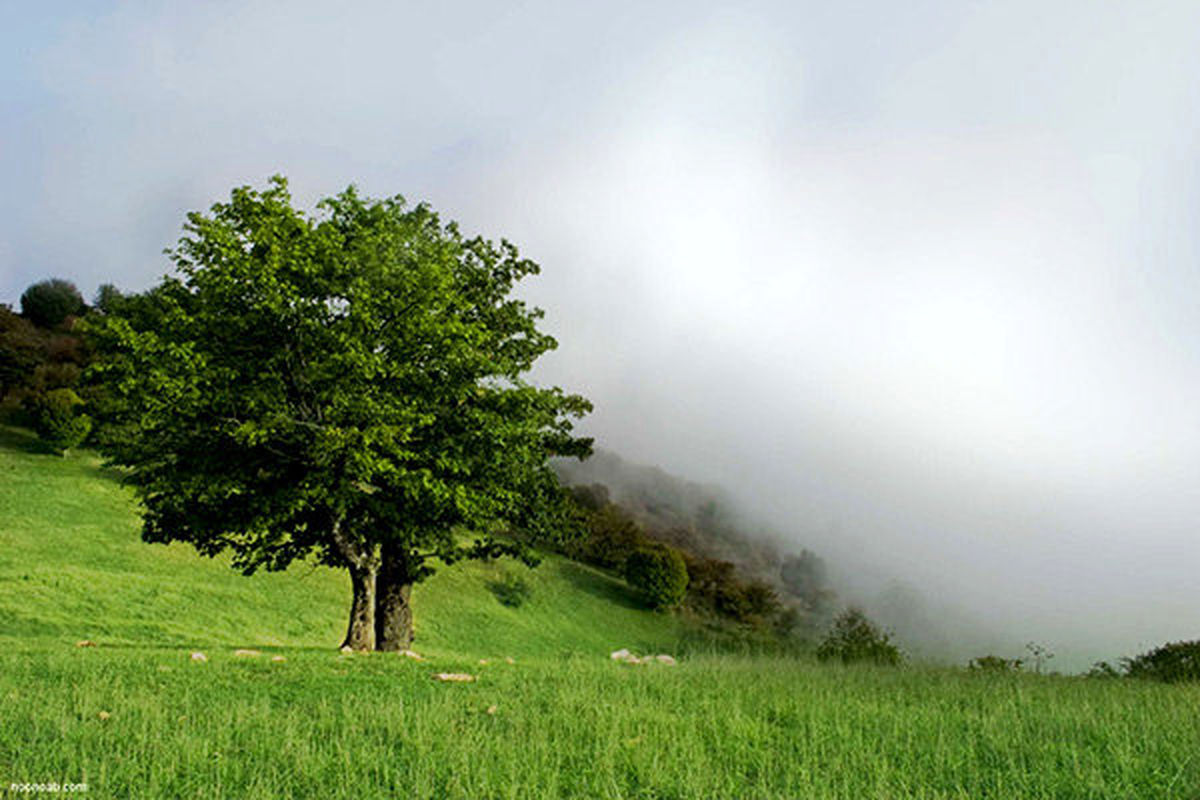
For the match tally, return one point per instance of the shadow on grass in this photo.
(23, 440)
(600, 585)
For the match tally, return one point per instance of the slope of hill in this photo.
(137, 717)
(72, 566)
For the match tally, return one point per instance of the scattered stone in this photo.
(85, 643)
(414, 655)
(454, 677)
(198, 656)
(104, 715)
(483, 662)
(509, 660)
(492, 709)
(247, 653)
(625, 656)
(279, 659)
(663, 658)
(347, 649)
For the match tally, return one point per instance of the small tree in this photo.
(854, 637)
(348, 385)
(58, 421)
(48, 303)
(659, 574)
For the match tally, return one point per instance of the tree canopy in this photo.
(347, 385)
(48, 303)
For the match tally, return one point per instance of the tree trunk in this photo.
(360, 634)
(393, 612)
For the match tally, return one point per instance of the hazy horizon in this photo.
(917, 284)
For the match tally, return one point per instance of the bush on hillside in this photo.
(47, 304)
(511, 590)
(57, 420)
(1172, 663)
(854, 637)
(994, 664)
(659, 574)
(1103, 669)
(611, 536)
(715, 587)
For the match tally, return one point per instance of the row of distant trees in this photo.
(800, 599)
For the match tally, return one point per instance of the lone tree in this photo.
(346, 385)
(49, 303)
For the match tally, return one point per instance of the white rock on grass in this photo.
(454, 677)
(663, 658)
(278, 659)
(247, 653)
(414, 655)
(623, 655)
(198, 656)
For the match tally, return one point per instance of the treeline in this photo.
(732, 576)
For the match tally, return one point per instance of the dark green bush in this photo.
(1172, 663)
(611, 535)
(855, 638)
(659, 573)
(511, 590)
(994, 664)
(57, 420)
(1103, 669)
(48, 303)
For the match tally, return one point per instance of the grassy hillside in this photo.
(136, 717)
(72, 566)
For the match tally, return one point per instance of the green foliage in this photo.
(992, 663)
(610, 537)
(854, 637)
(715, 587)
(58, 421)
(348, 385)
(1103, 669)
(1174, 662)
(805, 578)
(47, 304)
(511, 590)
(22, 348)
(659, 574)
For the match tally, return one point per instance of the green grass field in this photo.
(136, 717)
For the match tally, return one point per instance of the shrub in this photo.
(855, 638)
(1103, 669)
(611, 536)
(48, 303)
(1173, 663)
(659, 573)
(994, 664)
(511, 590)
(57, 420)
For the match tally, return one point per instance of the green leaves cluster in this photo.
(329, 384)
(854, 637)
(659, 574)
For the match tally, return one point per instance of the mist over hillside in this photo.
(712, 521)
